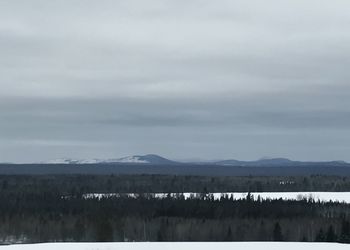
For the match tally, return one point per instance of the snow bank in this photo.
(182, 246)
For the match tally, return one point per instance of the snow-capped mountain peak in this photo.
(135, 159)
(61, 161)
(132, 159)
(145, 159)
(73, 161)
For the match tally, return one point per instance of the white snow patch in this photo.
(317, 196)
(181, 245)
(128, 159)
(131, 159)
(61, 161)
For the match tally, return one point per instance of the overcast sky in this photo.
(185, 79)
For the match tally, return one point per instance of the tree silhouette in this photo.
(331, 236)
(277, 232)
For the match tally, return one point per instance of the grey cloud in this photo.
(179, 78)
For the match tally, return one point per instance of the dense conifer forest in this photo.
(52, 208)
(68, 184)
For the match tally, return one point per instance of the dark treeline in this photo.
(68, 184)
(175, 169)
(46, 217)
(51, 208)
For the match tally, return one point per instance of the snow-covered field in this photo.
(182, 246)
(318, 196)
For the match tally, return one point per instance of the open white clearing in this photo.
(317, 196)
(182, 246)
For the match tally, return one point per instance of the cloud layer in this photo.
(208, 79)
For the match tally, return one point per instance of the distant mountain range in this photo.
(157, 165)
(153, 159)
(279, 162)
(135, 159)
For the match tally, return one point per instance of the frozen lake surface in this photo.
(182, 246)
(318, 196)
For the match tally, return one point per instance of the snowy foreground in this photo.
(182, 246)
(317, 196)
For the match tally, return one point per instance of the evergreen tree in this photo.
(277, 232)
(104, 231)
(331, 236)
(345, 232)
(79, 230)
(304, 239)
(320, 237)
(229, 234)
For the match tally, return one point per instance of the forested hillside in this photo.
(79, 184)
(52, 208)
(46, 216)
(174, 169)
